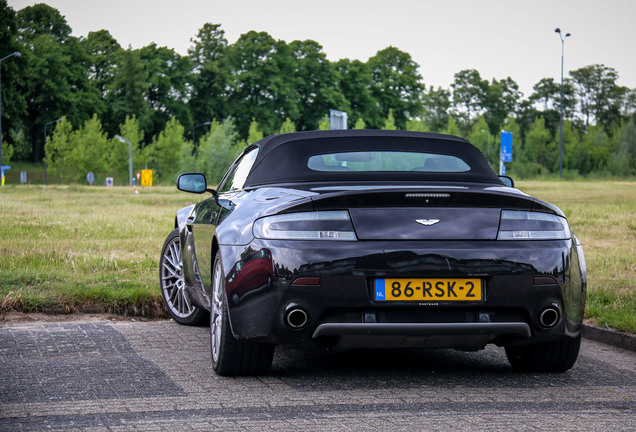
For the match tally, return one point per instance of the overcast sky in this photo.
(499, 38)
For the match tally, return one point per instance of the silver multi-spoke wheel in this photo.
(172, 283)
(216, 318)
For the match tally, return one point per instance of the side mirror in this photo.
(507, 181)
(192, 182)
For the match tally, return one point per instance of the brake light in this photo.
(526, 225)
(322, 225)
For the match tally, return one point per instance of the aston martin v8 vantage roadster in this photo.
(373, 239)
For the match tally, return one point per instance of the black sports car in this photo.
(362, 239)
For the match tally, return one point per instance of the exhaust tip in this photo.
(296, 318)
(549, 317)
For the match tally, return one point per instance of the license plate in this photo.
(428, 290)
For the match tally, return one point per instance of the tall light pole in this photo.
(130, 176)
(558, 30)
(45, 140)
(199, 125)
(17, 54)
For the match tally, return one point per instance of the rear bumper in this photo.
(521, 279)
(425, 329)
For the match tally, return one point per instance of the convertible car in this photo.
(373, 239)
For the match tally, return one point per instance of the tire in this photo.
(557, 356)
(175, 298)
(231, 357)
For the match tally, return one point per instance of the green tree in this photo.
(436, 107)
(572, 147)
(481, 138)
(389, 123)
(218, 149)
(630, 104)
(58, 149)
(287, 126)
(55, 78)
(13, 101)
(540, 147)
(102, 50)
(597, 147)
(254, 132)
(260, 83)
(355, 79)
(127, 93)
(416, 125)
(167, 151)
(397, 84)
(20, 145)
(166, 93)
(324, 124)
(451, 127)
(209, 77)
(469, 95)
(360, 124)
(600, 98)
(623, 161)
(502, 99)
(547, 95)
(7, 152)
(91, 151)
(316, 83)
(41, 19)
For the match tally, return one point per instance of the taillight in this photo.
(322, 225)
(526, 225)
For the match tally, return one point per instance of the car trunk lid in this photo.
(452, 213)
(421, 223)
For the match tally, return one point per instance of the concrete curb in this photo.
(610, 337)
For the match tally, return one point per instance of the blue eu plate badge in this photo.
(379, 289)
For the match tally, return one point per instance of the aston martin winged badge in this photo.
(427, 222)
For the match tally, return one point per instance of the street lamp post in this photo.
(45, 140)
(17, 54)
(130, 175)
(558, 30)
(199, 125)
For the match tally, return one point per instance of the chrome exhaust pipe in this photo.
(296, 317)
(549, 317)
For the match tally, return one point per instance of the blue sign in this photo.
(506, 146)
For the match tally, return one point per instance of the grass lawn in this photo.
(96, 249)
(80, 248)
(603, 216)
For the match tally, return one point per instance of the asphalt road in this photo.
(149, 376)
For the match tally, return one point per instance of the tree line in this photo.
(191, 111)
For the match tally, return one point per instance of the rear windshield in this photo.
(386, 161)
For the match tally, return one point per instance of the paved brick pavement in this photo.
(100, 376)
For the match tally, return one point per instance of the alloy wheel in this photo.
(172, 283)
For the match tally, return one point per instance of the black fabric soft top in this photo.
(283, 158)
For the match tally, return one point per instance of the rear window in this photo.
(387, 161)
